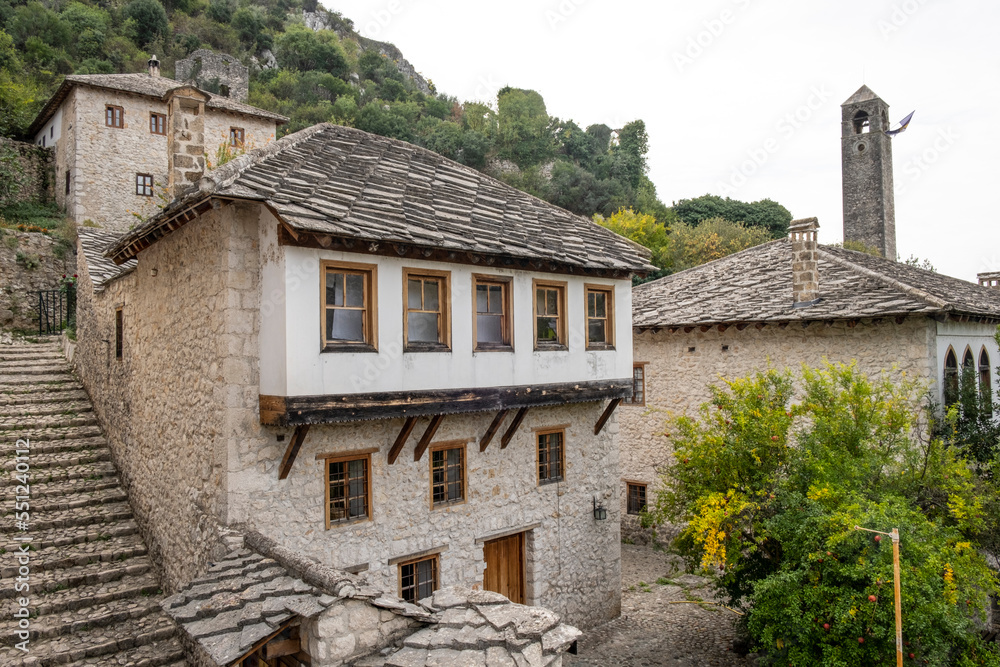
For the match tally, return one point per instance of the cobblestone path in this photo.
(651, 631)
(94, 595)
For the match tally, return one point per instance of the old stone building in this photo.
(384, 361)
(783, 304)
(109, 135)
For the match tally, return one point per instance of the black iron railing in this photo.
(56, 310)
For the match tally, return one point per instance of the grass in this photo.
(31, 214)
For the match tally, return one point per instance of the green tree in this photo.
(629, 156)
(771, 491)
(302, 49)
(693, 245)
(523, 124)
(765, 213)
(642, 228)
(150, 19)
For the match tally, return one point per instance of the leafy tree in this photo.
(764, 213)
(377, 120)
(771, 491)
(34, 20)
(692, 245)
(524, 134)
(150, 19)
(302, 49)
(924, 264)
(642, 228)
(221, 10)
(629, 156)
(249, 24)
(580, 191)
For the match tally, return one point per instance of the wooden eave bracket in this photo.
(606, 415)
(294, 445)
(492, 430)
(404, 434)
(426, 438)
(512, 429)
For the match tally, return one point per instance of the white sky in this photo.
(711, 107)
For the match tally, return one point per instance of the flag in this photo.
(902, 125)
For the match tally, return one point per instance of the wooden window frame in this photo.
(345, 457)
(951, 377)
(444, 305)
(145, 186)
(119, 332)
(632, 401)
(237, 137)
(561, 319)
(506, 317)
(444, 447)
(436, 571)
(561, 430)
(628, 497)
(609, 291)
(157, 120)
(370, 319)
(113, 119)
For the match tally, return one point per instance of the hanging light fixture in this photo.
(600, 513)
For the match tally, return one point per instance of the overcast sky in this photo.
(742, 98)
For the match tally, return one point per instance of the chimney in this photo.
(185, 138)
(805, 269)
(991, 279)
(154, 66)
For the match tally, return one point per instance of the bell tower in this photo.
(866, 155)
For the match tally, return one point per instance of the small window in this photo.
(348, 489)
(950, 377)
(636, 502)
(550, 315)
(600, 317)
(67, 181)
(43, 141)
(447, 474)
(52, 131)
(985, 382)
(427, 308)
(157, 123)
(493, 323)
(237, 137)
(638, 385)
(418, 579)
(144, 185)
(348, 306)
(550, 456)
(114, 116)
(119, 331)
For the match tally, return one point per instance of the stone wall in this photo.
(680, 366)
(217, 73)
(29, 262)
(26, 170)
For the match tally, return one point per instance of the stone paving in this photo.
(651, 631)
(94, 595)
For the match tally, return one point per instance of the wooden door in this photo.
(505, 567)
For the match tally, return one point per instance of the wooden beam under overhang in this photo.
(512, 429)
(425, 439)
(492, 430)
(404, 433)
(294, 445)
(606, 415)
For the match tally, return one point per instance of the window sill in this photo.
(551, 480)
(426, 347)
(493, 348)
(347, 522)
(349, 347)
(550, 347)
(600, 347)
(445, 504)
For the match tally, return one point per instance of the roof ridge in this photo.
(889, 280)
(714, 261)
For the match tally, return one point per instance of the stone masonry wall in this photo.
(210, 71)
(677, 378)
(28, 263)
(104, 166)
(28, 168)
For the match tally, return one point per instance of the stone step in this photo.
(43, 506)
(26, 390)
(59, 557)
(13, 426)
(40, 462)
(88, 478)
(78, 534)
(70, 599)
(69, 518)
(92, 471)
(37, 408)
(30, 355)
(148, 641)
(34, 367)
(65, 445)
(43, 396)
(80, 620)
(60, 433)
(78, 575)
(21, 379)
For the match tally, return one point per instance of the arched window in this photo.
(968, 359)
(985, 382)
(950, 377)
(861, 124)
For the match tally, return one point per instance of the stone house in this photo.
(786, 303)
(110, 135)
(379, 359)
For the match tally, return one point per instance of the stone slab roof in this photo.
(755, 285)
(862, 94)
(93, 243)
(141, 84)
(343, 182)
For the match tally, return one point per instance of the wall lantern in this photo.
(599, 512)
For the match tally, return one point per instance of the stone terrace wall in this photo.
(163, 403)
(677, 378)
(21, 279)
(29, 168)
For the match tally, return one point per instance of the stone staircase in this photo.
(94, 596)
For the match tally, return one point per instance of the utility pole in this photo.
(894, 535)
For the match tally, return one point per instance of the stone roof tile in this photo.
(93, 243)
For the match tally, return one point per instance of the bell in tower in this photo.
(866, 155)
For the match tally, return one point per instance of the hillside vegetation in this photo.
(334, 74)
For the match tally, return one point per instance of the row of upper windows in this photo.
(114, 116)
(953, 376)
(350, 305)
